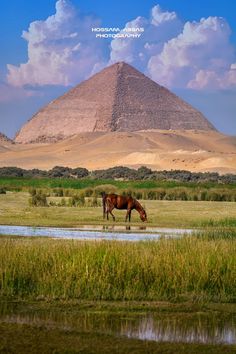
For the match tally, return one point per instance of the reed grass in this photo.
(192, 268)
(170, 193)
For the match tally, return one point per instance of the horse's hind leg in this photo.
(104, 204)
(106, 211)
(109, 209)
(113, 216)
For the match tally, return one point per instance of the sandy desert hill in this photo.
(158, 149)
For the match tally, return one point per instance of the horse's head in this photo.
(143, 215)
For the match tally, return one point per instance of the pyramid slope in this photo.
(119, 98)
(142, 104)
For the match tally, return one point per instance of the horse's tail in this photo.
(104, 196)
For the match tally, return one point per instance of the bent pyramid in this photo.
(4, 138)
(5, 142)
(119, 98)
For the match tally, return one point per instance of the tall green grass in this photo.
(191, 268)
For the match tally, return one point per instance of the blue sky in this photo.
(192, 56)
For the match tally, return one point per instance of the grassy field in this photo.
(192, 268)
(15, 210)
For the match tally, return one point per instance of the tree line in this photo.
(120, 173)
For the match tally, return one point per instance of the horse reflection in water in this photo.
(114, 201)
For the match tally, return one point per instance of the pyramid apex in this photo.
(122, 68)
(122, 63)
(119, 65)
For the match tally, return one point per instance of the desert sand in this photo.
(158, 149)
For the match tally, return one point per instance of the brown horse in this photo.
(111, 201)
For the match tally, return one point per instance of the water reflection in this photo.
(122, 228)
(206, 328)
(96, 232)
(199, 329)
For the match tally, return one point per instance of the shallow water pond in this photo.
(96, 232)
(209, 327)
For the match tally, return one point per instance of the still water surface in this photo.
(201, 327)
(95, 232)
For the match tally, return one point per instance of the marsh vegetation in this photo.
(196, 268)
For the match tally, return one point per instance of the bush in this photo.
(67, 172)
(80, 172)
(3, 190)
(38, 200)
(118, 172)
(93, 202)
(58, 192)
(63, 202)
(88, 192)
(11, 171)
(77, 200)
(32, 191)
(143, 172)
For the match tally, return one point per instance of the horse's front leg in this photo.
(128, 214)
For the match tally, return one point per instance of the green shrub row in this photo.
(177, 193)
(39, 199)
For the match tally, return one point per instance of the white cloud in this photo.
(62, 49)
(200, 57)
(196, 55)
(159, 28)
(159, 17)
